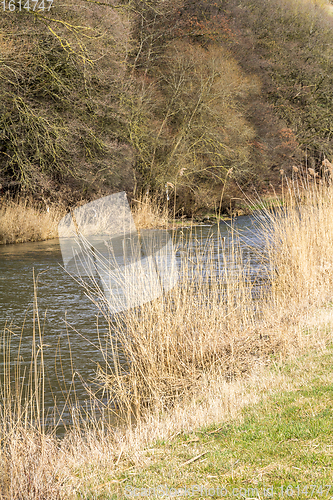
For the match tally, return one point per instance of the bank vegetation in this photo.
(179, 99)
(193, 357)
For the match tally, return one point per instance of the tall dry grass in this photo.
(175, 341)
(300, 246)
(22, 220)
(148, 213)
(219, 321)
(194, 356)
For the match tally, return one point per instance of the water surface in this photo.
(67, 316)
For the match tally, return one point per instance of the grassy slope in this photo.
(285, 439)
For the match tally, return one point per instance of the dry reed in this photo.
(147, 213)
(187, 352)
(22, 220)
(173, 342)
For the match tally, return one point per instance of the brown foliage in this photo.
(61, 119)
(125, 95)
(192, 118)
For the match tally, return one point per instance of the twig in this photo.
(174, 435)
(216, 430)
(194, 459)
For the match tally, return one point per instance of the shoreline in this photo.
(23, 221)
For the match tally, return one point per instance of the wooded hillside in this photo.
(97, 97)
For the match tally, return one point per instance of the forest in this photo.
(192, 102)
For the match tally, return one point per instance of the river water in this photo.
(67, 317)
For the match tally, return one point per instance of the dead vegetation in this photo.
(23, 220)
(195, 355)
(132, 95)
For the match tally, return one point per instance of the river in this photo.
(67, 317)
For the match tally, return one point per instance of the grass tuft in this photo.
(147, 213)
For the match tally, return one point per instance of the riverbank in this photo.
(195, 359)
(276, 436)
(272, 428)
(22, 220)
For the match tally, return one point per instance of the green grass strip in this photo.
(279, 448)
